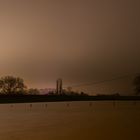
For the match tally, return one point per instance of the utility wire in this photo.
(102, 81)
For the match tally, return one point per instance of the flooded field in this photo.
(70, 121)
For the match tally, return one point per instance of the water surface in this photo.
(70, 121)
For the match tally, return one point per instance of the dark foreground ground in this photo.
(61, 98)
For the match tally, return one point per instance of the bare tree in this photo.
(12, 85)
(137, 85)
(33, 91)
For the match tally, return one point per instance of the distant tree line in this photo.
(10, 85)
(67, 93)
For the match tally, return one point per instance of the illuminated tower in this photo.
(59, 88)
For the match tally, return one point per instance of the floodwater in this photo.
(70, 121)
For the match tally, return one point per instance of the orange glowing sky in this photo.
(78, 40)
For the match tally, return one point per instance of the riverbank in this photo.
(62, 98)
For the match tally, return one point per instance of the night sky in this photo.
(80, 41)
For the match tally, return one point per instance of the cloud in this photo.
(79, 41)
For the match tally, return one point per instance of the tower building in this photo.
(59, 85)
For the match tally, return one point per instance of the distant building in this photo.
(59, 85)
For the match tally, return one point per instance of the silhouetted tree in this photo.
(33, 91)
(137, 85)
(12, 85)
(83, 94)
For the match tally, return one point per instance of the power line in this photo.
(102, 81)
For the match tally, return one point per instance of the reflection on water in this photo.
(70, 121)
